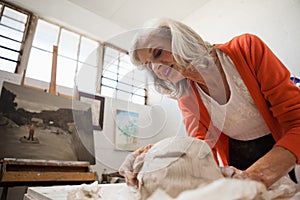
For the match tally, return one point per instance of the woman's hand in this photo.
(272, 166)
(268, 169)
(232, 172)
(132, 165)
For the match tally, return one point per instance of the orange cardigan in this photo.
(268, 82)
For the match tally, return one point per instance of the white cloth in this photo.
(229, 189)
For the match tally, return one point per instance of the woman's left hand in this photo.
(232, 172)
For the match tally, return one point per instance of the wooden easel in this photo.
(52, 87)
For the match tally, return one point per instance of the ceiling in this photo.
(113, 21)
(130, 14)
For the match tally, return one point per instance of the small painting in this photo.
(97, 108)
(126, 130)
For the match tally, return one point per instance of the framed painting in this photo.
(97, 106)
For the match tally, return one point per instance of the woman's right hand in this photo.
(132, 165)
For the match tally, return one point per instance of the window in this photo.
(74, 52)
(120, 79)
(79, 58)
(40, 59)
(13, 29)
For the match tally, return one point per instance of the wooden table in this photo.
(28, 172)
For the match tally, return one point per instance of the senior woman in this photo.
(236, 96)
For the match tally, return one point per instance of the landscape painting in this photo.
(39, 125)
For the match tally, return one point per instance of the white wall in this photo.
(274, 21)
(155, 123)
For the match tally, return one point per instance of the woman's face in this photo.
(157, 57)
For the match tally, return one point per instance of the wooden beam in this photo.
(35, 162)
(19, 176)
(23, 77)
(52, 87)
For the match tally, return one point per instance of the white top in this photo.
(239, 118)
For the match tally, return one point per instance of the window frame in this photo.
(77, 60)
(26, 46)
(26, 32)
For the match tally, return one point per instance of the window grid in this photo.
(118, 77)
(118, 80)
(70, 58)
(13, 27)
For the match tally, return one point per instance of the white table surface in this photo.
(108, 191)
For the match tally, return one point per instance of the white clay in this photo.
(177, 164)
(184, 168)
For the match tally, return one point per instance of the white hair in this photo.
(188, 48)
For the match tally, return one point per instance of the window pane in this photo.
(10, 33)
(39, 65)
(65, 72)
(123, 96)
(13, 23)
(113, 67)
(125, 75)
(140, 92)
(12, 28)
(15, 14)
(139, 84)
(111, 75)
(8, 66)
(125, 87)
(9, 54)
(111, 55)
(109, 82)
(138, 99)
(10, 43)
(69, 56)
(45, 35)
(68, 44)
(107, 91)
(126, 63)
(118, 63)
(125, 80)
(125, 72)
(88, 51)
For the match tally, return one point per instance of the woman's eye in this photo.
(157, 52)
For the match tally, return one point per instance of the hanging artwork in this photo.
(97, 108)
(126, 130)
